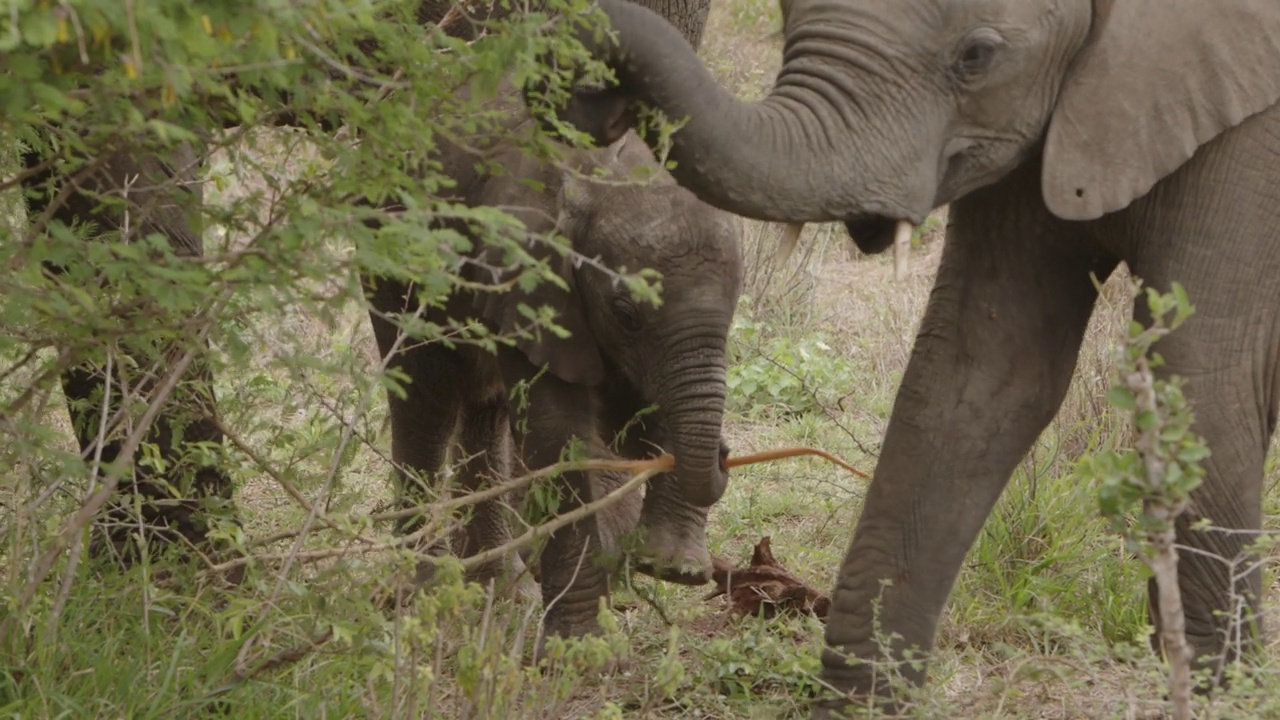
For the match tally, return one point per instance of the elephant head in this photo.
(884, 110)
(671, 355)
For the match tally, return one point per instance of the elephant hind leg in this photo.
(485, 445)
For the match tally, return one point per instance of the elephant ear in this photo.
(593, 181)
(1158, 79)
(574, 359)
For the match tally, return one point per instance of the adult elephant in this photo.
(1068, 136)
(597, 387)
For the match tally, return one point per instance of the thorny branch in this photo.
(644, 470)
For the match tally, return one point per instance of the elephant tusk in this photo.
(787, 243)
(901, 249)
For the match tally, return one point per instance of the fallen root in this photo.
(766, 588)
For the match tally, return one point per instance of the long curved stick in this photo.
(667, 462)
(790, 452)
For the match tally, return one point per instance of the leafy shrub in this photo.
(763, 656)
(291, 219)
(774, 372)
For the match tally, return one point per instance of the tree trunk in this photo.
(688, 16)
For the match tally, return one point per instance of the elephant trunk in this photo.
(692, 408)
(799, 137)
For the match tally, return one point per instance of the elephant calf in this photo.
(621, 358)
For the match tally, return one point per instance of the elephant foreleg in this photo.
(424, 419)
(615, 522)
(552, 417)
(673, 531)
(990, 366)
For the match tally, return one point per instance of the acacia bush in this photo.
(273, 309)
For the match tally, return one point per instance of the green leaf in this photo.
(39, 28)
(1183, 304)
(1193, 454)
(1121, 398)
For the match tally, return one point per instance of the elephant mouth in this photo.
(873, 234)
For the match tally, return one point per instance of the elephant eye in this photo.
(627, 314)
(976, 54)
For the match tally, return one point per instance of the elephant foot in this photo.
(601, 666)
(576, 620)
(674, 551)
(843, 709)
(550, 656)
(848, 710)
(494, 572)
(508, 577)
(830, 710)
(831, 706)
(673, 536)
(398, 595)
(522, 588)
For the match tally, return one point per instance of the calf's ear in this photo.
(575, 358)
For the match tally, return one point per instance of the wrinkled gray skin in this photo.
(1068, 136)
(621, 358)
